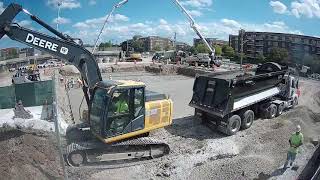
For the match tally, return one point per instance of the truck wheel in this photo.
(295, 102)
(280, 109)
(271, 111)
(203, 116)
(233, 125)
(247, 119)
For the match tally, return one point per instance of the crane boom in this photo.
(193, 25)
(105, 22)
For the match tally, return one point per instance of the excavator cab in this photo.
(117, 109)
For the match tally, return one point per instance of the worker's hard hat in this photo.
(298, 128)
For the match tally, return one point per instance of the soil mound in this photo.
(28, 156)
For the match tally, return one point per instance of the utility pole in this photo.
(241, 48)
(59, 4)
(175, 41)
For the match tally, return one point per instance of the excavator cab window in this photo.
(97, 111)
(125, 111)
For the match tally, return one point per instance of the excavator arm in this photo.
(63, 46)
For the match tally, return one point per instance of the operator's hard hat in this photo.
(298, 128)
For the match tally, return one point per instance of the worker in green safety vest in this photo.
(295, 141)
(121, 105)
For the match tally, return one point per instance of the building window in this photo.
(306, 48)
(275, 44)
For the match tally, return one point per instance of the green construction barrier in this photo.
(34, 93)
(7, 97)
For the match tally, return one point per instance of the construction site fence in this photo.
(31, 94)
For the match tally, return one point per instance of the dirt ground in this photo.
(28, 155)
(198, 152)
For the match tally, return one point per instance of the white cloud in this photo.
(197, 3)
(219, 29)
(96, 22)
(25, 23)
(64, 4)
(231, 23)
(120, 17)
(61, 20)
(81, 25)
(1, 7)
(163, 22)
(195, 13)
(278, 7)
(92, 2)
(308, 8)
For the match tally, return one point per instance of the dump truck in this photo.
(230, 102)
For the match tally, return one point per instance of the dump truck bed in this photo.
(222, 94)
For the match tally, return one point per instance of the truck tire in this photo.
(280, 109)
(247, 119)
(295, 102)
(233, 125)
(271, 111)
(203, 116)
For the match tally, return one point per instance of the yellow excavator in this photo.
(121, 113)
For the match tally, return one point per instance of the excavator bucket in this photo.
(7, 17)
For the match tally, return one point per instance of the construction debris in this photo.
(21, 112)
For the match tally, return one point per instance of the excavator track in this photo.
(84, 153)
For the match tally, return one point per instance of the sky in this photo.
(215, 18)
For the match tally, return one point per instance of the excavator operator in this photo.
(121, 104)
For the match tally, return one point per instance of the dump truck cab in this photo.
(123, 109)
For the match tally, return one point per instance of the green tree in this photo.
(136, 37)
(157, 48)
(278, 55)
(168, 47)
(260, 58)
(228, 51)
(218, 50)
(137, 46)
(103, 46)
(193, 50)
(201, 48)
(237, 57)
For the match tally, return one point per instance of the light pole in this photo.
(241, 53)
(59, 4)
